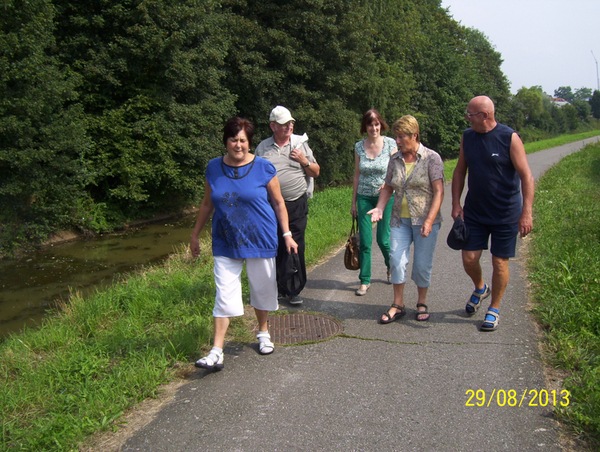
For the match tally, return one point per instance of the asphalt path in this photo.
(406, 386)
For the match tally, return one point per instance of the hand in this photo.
(456, 211)
(194, 247)
(425, 229)
(525, 224)
(299, 157)
(290, 244)
(376, 214)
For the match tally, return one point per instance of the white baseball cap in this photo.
(280, 115)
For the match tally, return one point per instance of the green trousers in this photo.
(365, 227)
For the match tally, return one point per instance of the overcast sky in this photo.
(542, 42)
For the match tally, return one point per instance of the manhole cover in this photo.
(302, 327)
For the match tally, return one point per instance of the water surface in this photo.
(32, 285)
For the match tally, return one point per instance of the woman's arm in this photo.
(278, 204)
(353, 210)
(206, 209)
(384, 196)
(436, 204)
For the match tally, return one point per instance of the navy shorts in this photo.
(504, 238)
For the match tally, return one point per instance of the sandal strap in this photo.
(493, 314)
(211, 359)
(265, 346)
(474, 305)
(478, 295)
(493, 324)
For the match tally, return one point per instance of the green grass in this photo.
(559, 141)
(85, 366)
(564, 270)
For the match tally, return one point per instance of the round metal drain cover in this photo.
(302, 327)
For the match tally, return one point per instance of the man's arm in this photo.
(519, 161)
(458, 183)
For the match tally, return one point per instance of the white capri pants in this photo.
(228, 279)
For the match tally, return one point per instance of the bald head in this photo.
(480, 113)
(482, 103)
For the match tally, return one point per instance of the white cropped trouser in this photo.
(228, 279)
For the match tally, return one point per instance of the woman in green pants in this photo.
(371, 157)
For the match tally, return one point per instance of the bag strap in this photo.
(354, 228)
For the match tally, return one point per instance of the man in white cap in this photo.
(296, 166)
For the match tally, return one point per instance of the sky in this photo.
(542, 42)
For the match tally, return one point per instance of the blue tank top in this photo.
(244, 224)
(494, 195)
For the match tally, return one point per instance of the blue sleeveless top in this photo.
(244, 224)
(494, 195)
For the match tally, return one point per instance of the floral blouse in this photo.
(372, 171)
(417, 187)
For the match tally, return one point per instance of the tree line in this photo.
(535, 115)
(111, 109)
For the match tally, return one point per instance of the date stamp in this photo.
(529, 397)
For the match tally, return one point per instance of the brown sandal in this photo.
(401, 312)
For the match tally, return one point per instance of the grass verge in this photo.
(564, 268)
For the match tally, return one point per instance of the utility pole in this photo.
(597, 77)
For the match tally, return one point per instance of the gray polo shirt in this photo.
(292, 178)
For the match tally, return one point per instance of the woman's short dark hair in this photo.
(236, 125)
(369, 118)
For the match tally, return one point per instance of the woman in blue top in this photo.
(243, 192)
(371, 158)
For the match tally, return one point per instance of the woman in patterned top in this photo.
(371, 157)
(416, 176)
(243, 192)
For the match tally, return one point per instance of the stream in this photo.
(32, 285)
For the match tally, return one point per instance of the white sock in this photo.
(263, 338)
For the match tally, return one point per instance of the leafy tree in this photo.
(571, 116)
(532, 100)
(42, 174)
(153, 91)
(583, 94)
(312, 57)
(564, 92)
(558, 116)
(125, 100)
(595, 104)
(583, 109)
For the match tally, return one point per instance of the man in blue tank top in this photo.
(495, 158)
